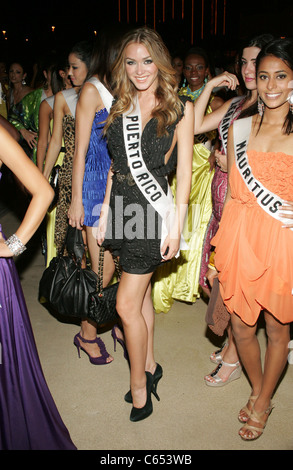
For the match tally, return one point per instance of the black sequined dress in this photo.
(134, 227)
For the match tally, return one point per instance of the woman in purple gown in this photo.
(29, 419)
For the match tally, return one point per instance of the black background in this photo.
(29, 26)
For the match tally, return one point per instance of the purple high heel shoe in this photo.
(120, 341)
(94, 360)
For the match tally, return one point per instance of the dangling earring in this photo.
(290, 101)
(23, 82)
(260, 106)
(184, 82)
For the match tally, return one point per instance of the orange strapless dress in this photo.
(254, 254)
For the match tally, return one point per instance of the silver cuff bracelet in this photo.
(15, 245)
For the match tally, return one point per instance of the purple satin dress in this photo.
(29, 419)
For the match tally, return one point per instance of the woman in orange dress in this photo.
(254, 244)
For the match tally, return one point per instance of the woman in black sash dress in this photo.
(144, 78)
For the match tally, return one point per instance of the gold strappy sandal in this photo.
(255, 431)
(252, 399)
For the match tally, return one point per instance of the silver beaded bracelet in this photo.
(15, 245)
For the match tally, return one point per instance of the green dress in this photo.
(178, 279)
(25, 115)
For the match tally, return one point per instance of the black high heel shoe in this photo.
(137, 414)
(120, 341)
(156, 376)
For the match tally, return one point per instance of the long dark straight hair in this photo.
(105, 51)
(257, 41)
(83, 50)
(281, 49)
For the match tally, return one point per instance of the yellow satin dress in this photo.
(178, 279)
(50, 220)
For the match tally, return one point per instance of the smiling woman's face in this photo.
(140, 68)
(248, 60)
(195, 71)
(274, 81)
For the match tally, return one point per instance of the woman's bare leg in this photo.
(263, 383)
(88, 327)
(230, 356)
(275, 359)
(134, 310)
(249, 351)
(149, 316)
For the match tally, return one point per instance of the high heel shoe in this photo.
(218, 381)
(256, 431)
(137, 414)
(156, 376)
(120, 341)
(217, 356)
(94, 360)
(245, 412)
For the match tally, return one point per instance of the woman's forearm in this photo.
(29, 175)
(51, 157)
(200, 107)
(35, 213)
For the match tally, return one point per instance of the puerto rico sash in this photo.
(232, 113)
(267, 200)
(146, 182)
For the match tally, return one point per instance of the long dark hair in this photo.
(105, 51)
(281, 49)
(83, 50)
(57, 82)
(259, 41)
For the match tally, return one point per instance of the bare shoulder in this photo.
(89, 88)
(90, 96)
(59, 98)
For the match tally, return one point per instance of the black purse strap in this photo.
(101, 270)
(74, 243)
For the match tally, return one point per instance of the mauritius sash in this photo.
(266, 199)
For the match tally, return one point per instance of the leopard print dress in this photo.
(65, 177)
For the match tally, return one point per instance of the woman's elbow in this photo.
(47, 192)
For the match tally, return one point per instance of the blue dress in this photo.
(97, 165)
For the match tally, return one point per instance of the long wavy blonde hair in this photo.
(169, 106)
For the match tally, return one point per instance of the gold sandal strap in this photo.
(254, 430)
(258, 417)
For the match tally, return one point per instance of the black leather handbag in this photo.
(102, 302)
(65, 285)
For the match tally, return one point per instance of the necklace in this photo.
(193, 94)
